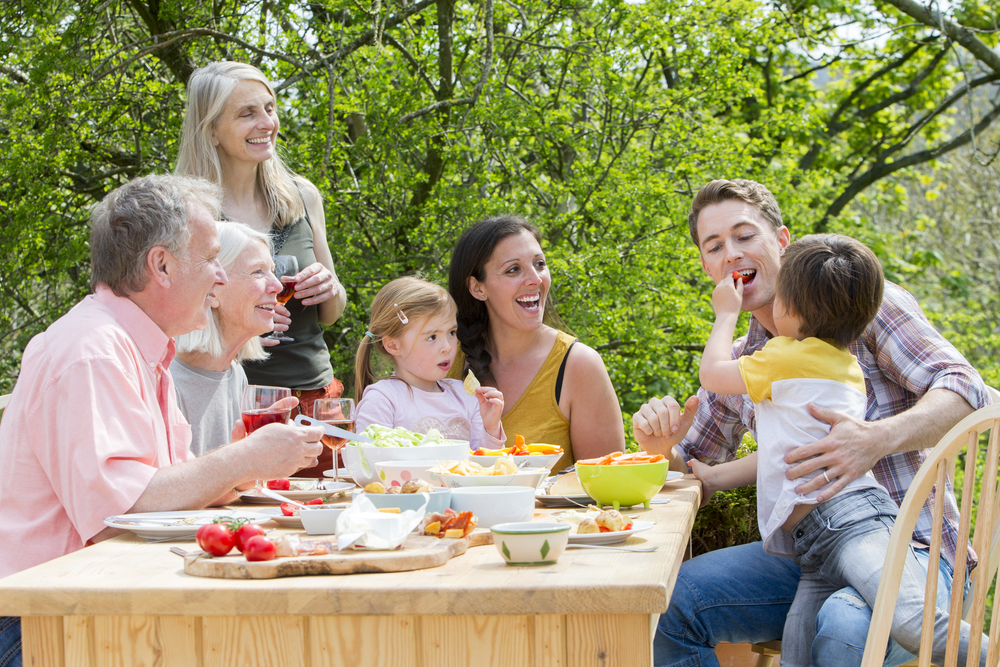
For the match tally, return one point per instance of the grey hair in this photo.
(143, 214)
(234, 237)
(208, 91)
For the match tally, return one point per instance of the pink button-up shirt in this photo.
(92, 418)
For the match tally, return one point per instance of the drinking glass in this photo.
(258, 409)
(285, 269)
(336, 412)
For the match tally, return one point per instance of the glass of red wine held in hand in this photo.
(286, 267)
(261, 406)
(336, 412)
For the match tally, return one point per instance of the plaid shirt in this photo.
(903, 358)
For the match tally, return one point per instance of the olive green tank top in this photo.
(536, 416)
(305, 363)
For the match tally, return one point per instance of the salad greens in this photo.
(383, 436)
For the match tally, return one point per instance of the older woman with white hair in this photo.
(206, 370)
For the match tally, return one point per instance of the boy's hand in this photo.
(491, 408)
(704, 473)
(728, 295)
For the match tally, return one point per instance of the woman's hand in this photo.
(491, 408)
(316, 284)
(282, 318)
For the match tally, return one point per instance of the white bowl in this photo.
(398, 473)
(530, 461)
(437, 501)
(495, 504)
(530, 542)
(322, 520)
(530, 477)
(457, 450)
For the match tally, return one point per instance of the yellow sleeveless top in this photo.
(536, 416)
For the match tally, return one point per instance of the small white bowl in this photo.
(530, 477)
(438, 500)
(529, 461)
(530, 542)
(456, 450)
(321, 520)
(492, 505)
(398, 473)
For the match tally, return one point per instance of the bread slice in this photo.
(567, 485)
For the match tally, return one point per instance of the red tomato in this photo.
(279, 484)
(288, 509)
(216, 539)
(628, 526)
(314, 501)
(245, 532)
(259, 547)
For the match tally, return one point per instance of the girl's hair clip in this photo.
(370, 335)
(400, 314)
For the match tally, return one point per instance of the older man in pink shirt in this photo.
(93, 428)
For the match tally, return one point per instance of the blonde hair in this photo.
(234, 237)
(208, 91)
(410, 299)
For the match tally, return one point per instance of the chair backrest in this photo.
(4, 400)
(979, 493)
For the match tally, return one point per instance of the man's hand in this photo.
(279, 450)
(660, 424)
(848, 451)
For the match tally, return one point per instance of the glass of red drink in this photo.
(258, 408)
(337, 412)
(286, 267)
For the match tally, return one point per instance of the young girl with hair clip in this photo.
(413, 325)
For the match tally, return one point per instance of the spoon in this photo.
(277, 496)
(598, 546)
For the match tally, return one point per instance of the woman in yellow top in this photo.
(556, 389)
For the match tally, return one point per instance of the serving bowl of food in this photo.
(530, 542)
(397, 444)
(398, 473)
(535, 455)
(460, 474)
(622, 480)
(495, 504)
(438, 499)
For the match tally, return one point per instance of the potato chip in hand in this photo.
(471, 383)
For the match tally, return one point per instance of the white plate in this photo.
(673, 474)
(585, 500)
(275, 515)
(320, 488)
(152, 526)
(611, 538)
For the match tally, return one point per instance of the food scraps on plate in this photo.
(594, 521)
(503, 466)
(411, 486)
(618, 458)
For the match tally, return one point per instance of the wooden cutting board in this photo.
(418, 552)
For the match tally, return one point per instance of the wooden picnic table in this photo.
(128, 602)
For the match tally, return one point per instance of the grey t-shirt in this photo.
(211, 402)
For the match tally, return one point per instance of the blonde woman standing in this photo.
(229, 137)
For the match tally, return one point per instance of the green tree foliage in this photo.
(598, 121)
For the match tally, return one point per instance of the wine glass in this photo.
(286, 267)
(258, 409)
(336, 412)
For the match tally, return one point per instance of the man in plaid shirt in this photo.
(918, 387)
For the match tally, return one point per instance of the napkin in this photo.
(362, 525)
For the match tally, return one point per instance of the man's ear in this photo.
(784, 238)
(476, 289)
(160, 264)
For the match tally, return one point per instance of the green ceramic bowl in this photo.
(623, 485)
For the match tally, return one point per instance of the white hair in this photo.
(234, 237)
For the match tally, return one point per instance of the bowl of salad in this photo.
(397, 444)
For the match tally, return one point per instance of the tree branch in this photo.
(956, 32)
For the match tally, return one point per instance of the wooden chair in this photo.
(984, 531)
(941, 462)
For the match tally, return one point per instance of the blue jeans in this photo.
(10, 641)
(742, 594)
(843, 542)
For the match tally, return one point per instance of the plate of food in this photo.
(173, 525)
(298, 488)
(458, 474)
(563, 491)
(600, 526)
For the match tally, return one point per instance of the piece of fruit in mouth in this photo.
(745, 276)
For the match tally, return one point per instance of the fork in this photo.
(601, 546)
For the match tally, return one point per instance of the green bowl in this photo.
(623, 485)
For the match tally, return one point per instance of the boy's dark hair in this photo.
(833, 284)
